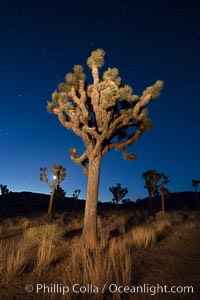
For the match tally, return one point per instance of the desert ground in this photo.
(134, 248)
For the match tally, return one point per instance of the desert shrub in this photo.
(48, 231)
(45, 255)
(138, 213)
(176, 218)
(191, 224)
(24, 223)
(105, 263)
(119, 254)
(14, 258)
(143, 236)
(8, 225)
(161, 227)
(161, 215)
(194, 215)
(45, 237)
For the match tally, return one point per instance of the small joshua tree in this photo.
(151, 178)
(75, 196)
(58, 175)
(164, 195)
(4, 189)
(163, 190)
(155, 181)
(106, 115)
(195, 184)
(118, 193)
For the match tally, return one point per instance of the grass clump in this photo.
(14, 258)
(143, 236)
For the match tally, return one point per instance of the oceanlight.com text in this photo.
(58, 288)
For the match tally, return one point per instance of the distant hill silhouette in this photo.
(175, 200)
(23, 202)
(27, 202)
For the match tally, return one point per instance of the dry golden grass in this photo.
(143, 236)
(35, 247)
(14, 258)
(57, 249)
(45, 255)
(161, 226)
(47, 231)
(46, 238)
(105, 263)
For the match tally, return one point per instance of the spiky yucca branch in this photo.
(103, 111)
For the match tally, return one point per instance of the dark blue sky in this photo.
(146, 41)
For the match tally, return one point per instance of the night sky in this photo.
(146, 41)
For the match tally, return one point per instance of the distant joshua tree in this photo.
(164, 195)
(195, 184)
(58, 175)
(75, 196)
(4, 189)
(106, 115)
(118, 193)
(155, 181)
(151, 178)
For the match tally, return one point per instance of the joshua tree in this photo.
(195, 184)
(163, 190)
(118, 193)
(164, 194)
(75, 196)
(105, 115)
(151, 178)
(76, 193)
(155, 181)
(4, 189)
(58, 176)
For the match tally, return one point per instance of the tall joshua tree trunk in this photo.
(51, 202)
(90, 217)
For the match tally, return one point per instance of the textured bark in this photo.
(90, 217)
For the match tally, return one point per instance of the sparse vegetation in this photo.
(54, 251)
